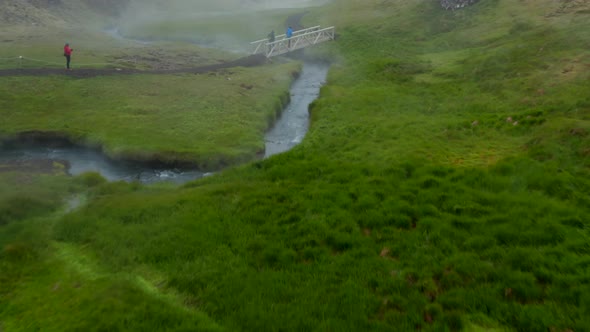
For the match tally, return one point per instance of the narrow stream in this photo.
(293, 124)
(287, 132)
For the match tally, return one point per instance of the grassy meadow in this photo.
(210, 120)
(444, 185)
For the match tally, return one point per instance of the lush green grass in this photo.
(412, 203)
(50, 286)
(358, 247)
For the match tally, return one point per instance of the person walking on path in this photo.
(289, 35)
(68, 55)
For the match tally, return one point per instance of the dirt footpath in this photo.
(249, 61)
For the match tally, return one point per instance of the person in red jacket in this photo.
(68, 55)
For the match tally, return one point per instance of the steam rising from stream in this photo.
(180, 8)
(224, 24)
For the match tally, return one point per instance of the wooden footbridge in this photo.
(300, 39)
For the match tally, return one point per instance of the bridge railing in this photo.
(259, 43)
(300, 39)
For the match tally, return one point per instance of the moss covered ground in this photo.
(444, 186)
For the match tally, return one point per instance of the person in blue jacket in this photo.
(289, 35)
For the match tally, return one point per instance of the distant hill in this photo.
(57, 12)
(110, 7)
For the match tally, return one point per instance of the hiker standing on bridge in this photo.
(289, 35)
(271, 39)
(68, 55)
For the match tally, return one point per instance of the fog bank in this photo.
(225, 24)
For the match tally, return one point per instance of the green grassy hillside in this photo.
(444, 186)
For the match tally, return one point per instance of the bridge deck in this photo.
(300, 39)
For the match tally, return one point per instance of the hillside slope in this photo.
(57, 12)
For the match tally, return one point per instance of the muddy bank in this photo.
(57, 140)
